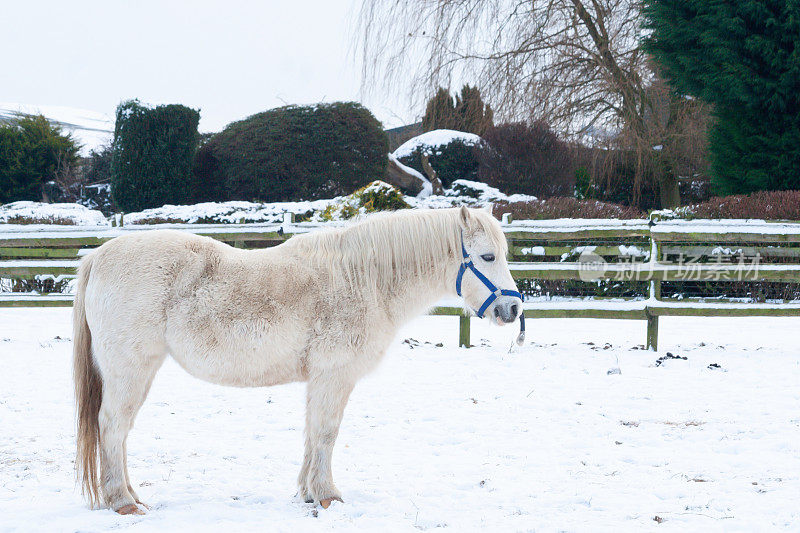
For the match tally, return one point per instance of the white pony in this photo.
(320, 308)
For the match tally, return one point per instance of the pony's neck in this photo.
(421, 292)
(405, 262)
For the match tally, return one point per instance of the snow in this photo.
(719, 250)
(427, 188)
(42, 231)
(233, 212)
(543, 438)
(433, 139)
(633, 251)
(75, 214)
(576, 224)
(466, 192)
(731, 225)
(91, 129)
(533, 250)
(462, 192)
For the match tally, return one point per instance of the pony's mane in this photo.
(380, 250)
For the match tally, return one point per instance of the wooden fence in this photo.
(583, 253)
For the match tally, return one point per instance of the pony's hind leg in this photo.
(124, 392)
(127, 477)
(326, 399)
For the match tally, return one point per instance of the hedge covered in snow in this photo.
(41, 213)
(379, 196)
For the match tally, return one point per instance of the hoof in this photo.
(326, 502)
(130, 509)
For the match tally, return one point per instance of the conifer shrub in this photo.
(293, 153)
(153, 150)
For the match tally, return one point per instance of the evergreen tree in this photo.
(31, 152)
(465, 112)
(440, 113)
(742, 57)
(151, 163)
(473, 115)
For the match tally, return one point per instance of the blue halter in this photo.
(467, 264)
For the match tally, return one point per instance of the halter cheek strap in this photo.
(467, 264)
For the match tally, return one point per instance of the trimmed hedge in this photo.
(565, 207)
(767, 205)
(153, 149)
(293, 153)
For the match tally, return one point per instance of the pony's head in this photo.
(483, 255)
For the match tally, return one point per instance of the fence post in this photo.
(463, 331)
(652, 331)
(655, 294)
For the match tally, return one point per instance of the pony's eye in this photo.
(488, 257)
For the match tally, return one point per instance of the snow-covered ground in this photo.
(544, 438)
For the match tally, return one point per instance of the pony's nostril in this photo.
(496, 312)
(514, 309)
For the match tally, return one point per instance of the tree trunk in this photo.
(404, 178)
(436, 183)
(669, 191)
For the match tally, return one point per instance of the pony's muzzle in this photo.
(507, 309)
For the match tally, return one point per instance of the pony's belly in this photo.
(241, 368)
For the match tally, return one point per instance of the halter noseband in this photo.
(467, 264)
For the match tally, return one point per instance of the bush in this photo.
(377, 196)
(32, 152)
(771, 205)
(564, 207)
(518, 158)
(294, 153)
(152, 156)
(455, 160)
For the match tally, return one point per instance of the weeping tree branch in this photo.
(576, 64)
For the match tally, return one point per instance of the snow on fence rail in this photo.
(583, 251)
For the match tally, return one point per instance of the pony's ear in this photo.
(464, 217)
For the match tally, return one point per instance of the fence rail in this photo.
(579, 251)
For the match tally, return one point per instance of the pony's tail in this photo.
(88, 391)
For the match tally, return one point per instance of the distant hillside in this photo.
(90, 128)
(399, 135)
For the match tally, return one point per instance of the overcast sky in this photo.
(228, 58)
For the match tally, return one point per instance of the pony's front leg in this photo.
(326, 398)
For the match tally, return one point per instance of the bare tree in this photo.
(66, 181)
(576, 64)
